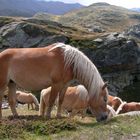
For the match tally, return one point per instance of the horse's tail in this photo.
(120, 108)
(35, 101)
(43, 101)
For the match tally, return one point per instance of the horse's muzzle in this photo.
(102, 118)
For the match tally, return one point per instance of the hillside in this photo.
(98, 17)
(28, 8)
(136, 9)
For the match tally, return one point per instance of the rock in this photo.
(96, 29)
(98, 40)
(24, 35)
(133, 31)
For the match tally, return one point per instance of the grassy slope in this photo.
(36, 128)
(109, 17)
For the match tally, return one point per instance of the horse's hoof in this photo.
(15, 116)
(48, 117)
(58, 116)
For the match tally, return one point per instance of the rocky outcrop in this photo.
(115, 51)
(134, 31)
(25, 34)
(118, 59)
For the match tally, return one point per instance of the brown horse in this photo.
(27, 98)
(128, 107)
(75, 100)
(114, 102)
(55, 66)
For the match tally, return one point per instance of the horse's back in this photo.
(24, 97)
(35, 64)
(73, 99)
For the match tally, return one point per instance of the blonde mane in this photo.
(120, 107)
(82, 92)
(35, 99)
(84, 70)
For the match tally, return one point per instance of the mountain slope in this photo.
(30, 7)
(98, 17)
(136, 9)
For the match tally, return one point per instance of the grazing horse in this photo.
(27, 98)
(128, 107)
(55, 66)
(75, 100)
(114, 102)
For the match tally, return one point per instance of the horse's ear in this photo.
(105, 85)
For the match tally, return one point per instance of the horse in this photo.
(128, 107)
(27, 98)
(114, 102)
(111, 112)
(55, 65)
(75, 100)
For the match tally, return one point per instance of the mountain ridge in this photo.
(98, 17)
(28, 8)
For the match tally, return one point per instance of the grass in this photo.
(32, 127)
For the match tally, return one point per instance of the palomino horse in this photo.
(128, 107)
(114, 102)
(27, 98)
(55, 66)
(75, 100)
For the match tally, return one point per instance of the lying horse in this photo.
(75, 100)
(128, 107)
(27, 98)
(55, 66)
(114, 102)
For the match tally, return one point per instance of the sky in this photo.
(123, 3)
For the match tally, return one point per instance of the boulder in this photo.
(25, 35)
(133, 31)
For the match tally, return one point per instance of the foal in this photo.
(27, 98)
(128, 107)
(75, 100)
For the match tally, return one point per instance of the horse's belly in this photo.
(32, 83)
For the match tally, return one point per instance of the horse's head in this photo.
(98, 105)
(37, 107)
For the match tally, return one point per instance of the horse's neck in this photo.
(35, 100)
(120, 107)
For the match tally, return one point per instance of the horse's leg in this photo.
(28, 106)
(73, 113)
(54, 92)
(2, 90)
(12, 97)
(61, 98)
(32, 106)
